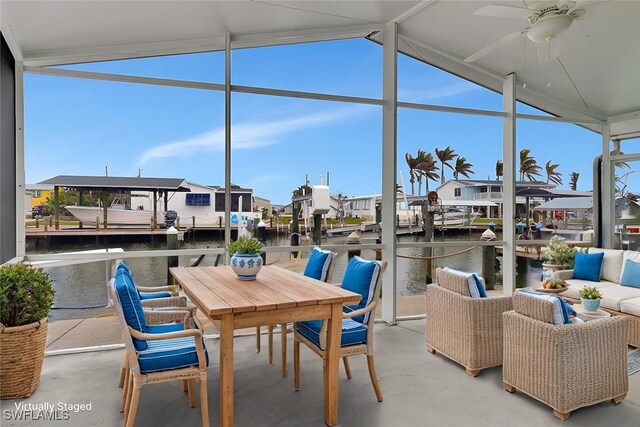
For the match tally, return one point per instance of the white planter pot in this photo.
(246, 266)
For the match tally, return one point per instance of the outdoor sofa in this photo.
(617, 299)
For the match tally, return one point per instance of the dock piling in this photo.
(172, 244)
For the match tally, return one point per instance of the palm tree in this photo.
(552, 175)
(428, 169)
(414, 172)
(412, 163)
(573, 180)
(499, 169)
(445, 156)
(462, 167)
(528, 166)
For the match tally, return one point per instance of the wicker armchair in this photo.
(174, 351)
(563, 366)
(357, 328)
(284, 329)
(464, 329)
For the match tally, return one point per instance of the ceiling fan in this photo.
(547, 22)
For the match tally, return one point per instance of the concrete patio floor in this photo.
(419, 389)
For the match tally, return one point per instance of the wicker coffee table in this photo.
(590, 315)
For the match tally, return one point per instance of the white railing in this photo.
(488, 196)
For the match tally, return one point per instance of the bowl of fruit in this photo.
(554, 286)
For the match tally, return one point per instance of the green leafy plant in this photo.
(26, 295)
(245, 245)
(559, 253)
(590, 293)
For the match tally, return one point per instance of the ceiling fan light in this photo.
(549, 27)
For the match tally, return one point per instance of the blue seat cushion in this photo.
(153, 295)
(131, 306)
(360, 277)
(318, 264)
(163, 355)
(631, 274)
(352, 331)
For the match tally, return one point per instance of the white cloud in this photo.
(435, 93)
(245, 135)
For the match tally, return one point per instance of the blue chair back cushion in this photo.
(163, 355)
(631, 274)
(588, 266)
(352, 332)
(361, 277)
(318, 264)
(131, 306)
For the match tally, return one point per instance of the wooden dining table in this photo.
(277, 296)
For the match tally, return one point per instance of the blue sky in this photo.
(76, 126)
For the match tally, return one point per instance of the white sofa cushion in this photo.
(632, 255)
(611, 264)
(631, 306)
(576, 284)
(613, 295)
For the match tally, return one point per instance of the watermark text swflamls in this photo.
(47, 411)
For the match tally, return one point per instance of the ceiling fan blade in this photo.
(583, 4)
(502, 11)
(482, 52)
(549, 51)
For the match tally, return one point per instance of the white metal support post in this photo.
(389, 162)
(607, 212)
(227, 142)
(20, 174)
(509, 184)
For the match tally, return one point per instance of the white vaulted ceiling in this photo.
(597, 74)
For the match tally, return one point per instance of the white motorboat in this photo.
(455, 217)
(119, 214)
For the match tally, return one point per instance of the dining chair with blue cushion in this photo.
(363, 277)
(157, 353)
(320, 266)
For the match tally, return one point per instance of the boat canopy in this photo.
(118, 183)
(566, 204)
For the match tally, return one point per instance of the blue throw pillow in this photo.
(361, 277)
(631, 274)
(318, 264)
(588, 266)
(479, 286)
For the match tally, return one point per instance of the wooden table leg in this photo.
(332, 365)
(226, 370)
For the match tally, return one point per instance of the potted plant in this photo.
(590, 298)
(26, 297)
(245, 257)
(559, 256)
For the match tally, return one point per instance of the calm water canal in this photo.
(82, 286)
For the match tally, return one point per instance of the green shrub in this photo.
(590, 293)
(245, 245)
(26, 295)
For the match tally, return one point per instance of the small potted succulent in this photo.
(559, 256)
(26, 298)
(245, 257)
(590, 298)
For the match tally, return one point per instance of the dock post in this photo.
(56, 198)
(172, 244)
(317, 229)
(353, 239)
(489, 259)
(428, 234)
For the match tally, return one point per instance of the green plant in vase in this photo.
(245, 257)
(559, 253)
(590, 298)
